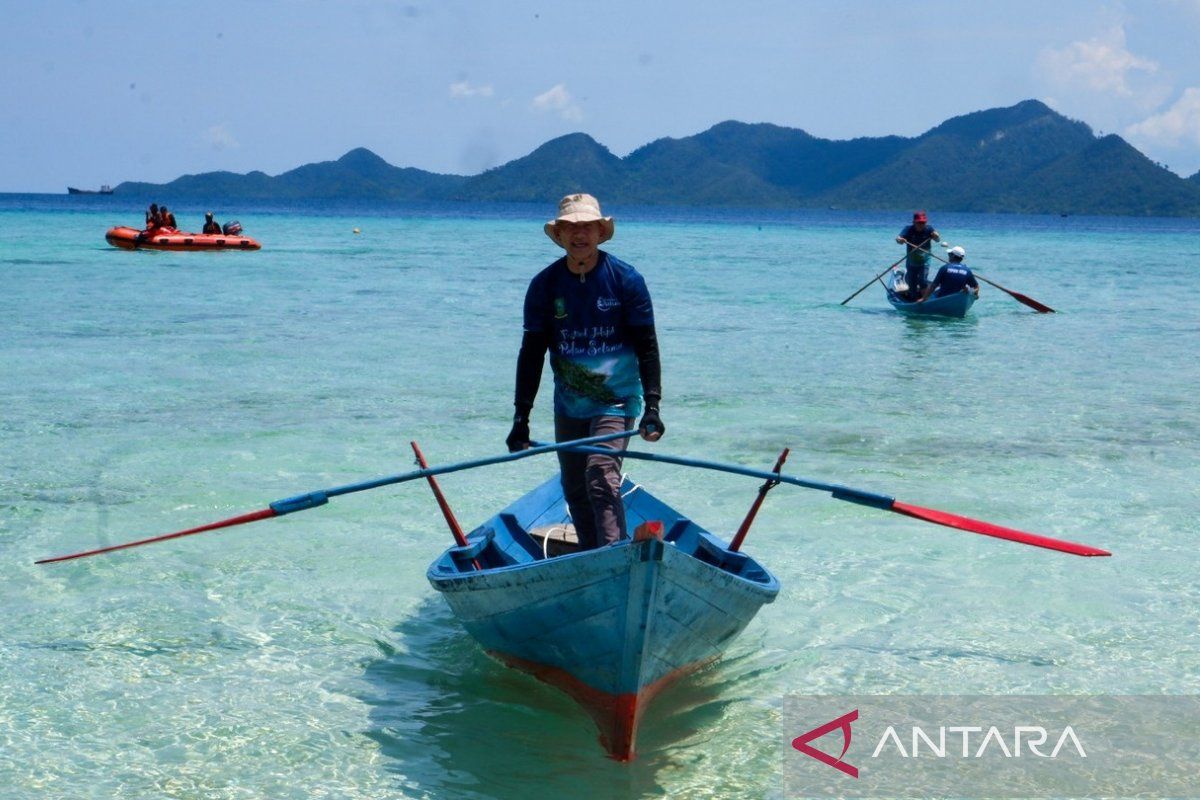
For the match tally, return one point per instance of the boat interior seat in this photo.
(502, 544)
(751, 571)
(734, 562)
(711, 551)
(518, 547)
(464, 556)
(678, 529)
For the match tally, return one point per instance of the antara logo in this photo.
(1035, 736)
(1028, 738)
(842, 722)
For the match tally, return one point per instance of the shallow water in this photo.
(308, 657)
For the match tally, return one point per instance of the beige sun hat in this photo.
(580, 208)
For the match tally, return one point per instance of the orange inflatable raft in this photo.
(170, 239)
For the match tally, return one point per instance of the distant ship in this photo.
(105, 189)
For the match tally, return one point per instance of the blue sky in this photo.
(100, 92)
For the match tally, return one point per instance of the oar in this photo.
(870, 499)
(303, 502)
(1041, 308)
(740, 536)
(876, 278)
(455, 529)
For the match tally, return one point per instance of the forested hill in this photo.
(1025, 158)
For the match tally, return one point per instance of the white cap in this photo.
(958, 251)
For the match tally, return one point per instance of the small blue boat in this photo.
(951, 305)
(612, 626)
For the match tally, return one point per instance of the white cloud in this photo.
(219, 137)
(558, 99)
(465, 89)
(1178, 125)
(1103, 64)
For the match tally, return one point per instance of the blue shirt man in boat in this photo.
(916, 237)
(593, 313)
(952, 278)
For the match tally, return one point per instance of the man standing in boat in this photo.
(952, 278)
(593, 313)
(916, 237)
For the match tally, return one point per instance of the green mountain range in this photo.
(1025, 158)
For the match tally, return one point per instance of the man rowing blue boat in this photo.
(593, 313)
(916, 237)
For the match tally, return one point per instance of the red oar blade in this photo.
(999, 531)
(225, 523)
(1041, 308)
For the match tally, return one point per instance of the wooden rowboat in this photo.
(612, 626)
(951, 305)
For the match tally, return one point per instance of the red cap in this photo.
(919, 216)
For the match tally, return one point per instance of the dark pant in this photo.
(916, 276)
(592, 483)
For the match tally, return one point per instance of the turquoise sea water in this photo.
(307, 657)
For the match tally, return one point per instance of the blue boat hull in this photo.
(952, 305)
(612, 626)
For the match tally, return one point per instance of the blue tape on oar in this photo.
(864, 498)
(299, 503)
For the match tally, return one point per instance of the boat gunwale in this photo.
(931, 307)
(444, 580)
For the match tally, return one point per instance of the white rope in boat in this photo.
(546, 539)
(563, 528)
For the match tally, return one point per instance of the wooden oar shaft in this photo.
(312, 499)
(744, 528)
(253, 516)
(1021, 298)
(1041, 308)
(455, 529)
(837, 490)
(303, 502)
(873, 500)
(891, 266)
(451, 520)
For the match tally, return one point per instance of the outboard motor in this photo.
(232, 228)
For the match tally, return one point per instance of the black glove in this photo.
(651, 427)
(518, 437)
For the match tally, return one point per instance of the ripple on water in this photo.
(307, 656)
